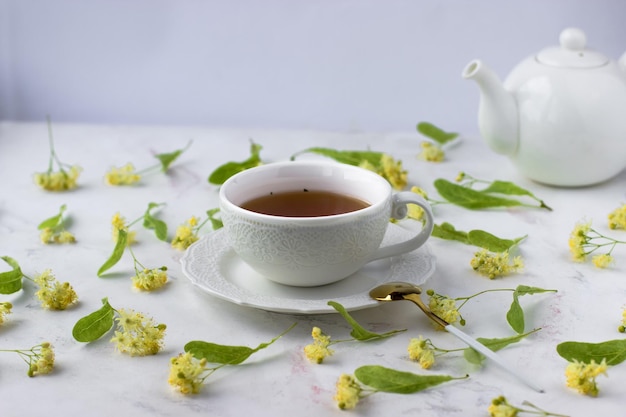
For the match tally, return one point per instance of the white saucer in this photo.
(215, 268)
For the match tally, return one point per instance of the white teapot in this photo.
(560, 115)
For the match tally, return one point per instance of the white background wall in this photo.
(347, 65)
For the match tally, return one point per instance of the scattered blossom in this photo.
(603, 260)
(617, 218)
(61, 180)
(125, 175)
(317, 351)
(150, 279)
(582, 376)
(348, 392)
(119, 223)
(500, 407)
(187, 373)
(578, 239)
(622, 326)
(420, 350)
(431, 152)
(443, 307)
(186, 234)
(415, 212)
(50, 235)
(138, 335)
(54, 294)
(585, 240)
(390, 169)
(5, 310)
(493, 265)
(39, 358)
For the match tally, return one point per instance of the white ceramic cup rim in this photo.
(377, 198)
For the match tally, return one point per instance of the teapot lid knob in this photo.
(573, 39)
(572, 52)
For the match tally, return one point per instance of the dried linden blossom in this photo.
(137, 334)
(317, 351)
(54, 294)
(150, 279)
(186, 234)
(66, 178)
(500, 407)
(421, 350)
(125, 175)
(390, 169)
(584, 240)
(187, 374)
(617, 218)
(494, 265)
(431, 152)
(40, 358)
(5, 310)
(582, 376)
(119, 223)
(348, 392)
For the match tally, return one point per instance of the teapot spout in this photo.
(497, 112)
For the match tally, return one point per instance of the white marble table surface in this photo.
(96, 380)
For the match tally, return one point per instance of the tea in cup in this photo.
(311, 223)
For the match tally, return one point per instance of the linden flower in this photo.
(421, 351)
(54, 294)
(348, 392)
(617, 218)
(602, 261)
(621, 328)
(126, 175)
(186, 234)
(44, 355)
(58, 180)
(390, 169)
(186, 373)
(582, 376)
(431, 152)
(415, 212)
(138, 335)
(150, 279)
(493, 265)
(49, 235)
(500, 407)
(578, 239)
(444, 307)
(5, 310)
(317, 351)
(119, 223)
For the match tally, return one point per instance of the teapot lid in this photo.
(572, 53)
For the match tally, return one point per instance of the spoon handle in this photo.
(491, 355)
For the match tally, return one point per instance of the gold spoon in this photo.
(394, 291)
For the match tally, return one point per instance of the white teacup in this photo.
(312, 251)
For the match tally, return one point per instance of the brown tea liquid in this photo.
(304, 203)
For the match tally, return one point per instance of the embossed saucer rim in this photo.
(212, 266)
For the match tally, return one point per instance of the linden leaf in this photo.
(225, 354)
(448, 232)
(227, 170)
(167, 159)
(358, 332)
(53, 221)
(390, 380)
(490, 242)
(11, 281)
(473, 356)
(433, 132)
(152, 223)
(469, 198)
(118, 251)
(515, 315)
(215, 223)
(614, 351)
(345, 157)
(509, 188)
(93, 326)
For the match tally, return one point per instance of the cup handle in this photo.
(399, 211)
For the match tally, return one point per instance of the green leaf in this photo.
(152, 223)
(469, 198)
(225, 354)
(11, 281)
(53, 221)
(358, 332)
(515, 315)
(215, 222)
(118, 251)
(167, 159)
(526, 290)
(224, 172)
(390, 380)
(93, 326)
(431, 131)
(509, 188)
(346, 157)
(448, 232)
(614, 351)
(490, 242)
(475, 357)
